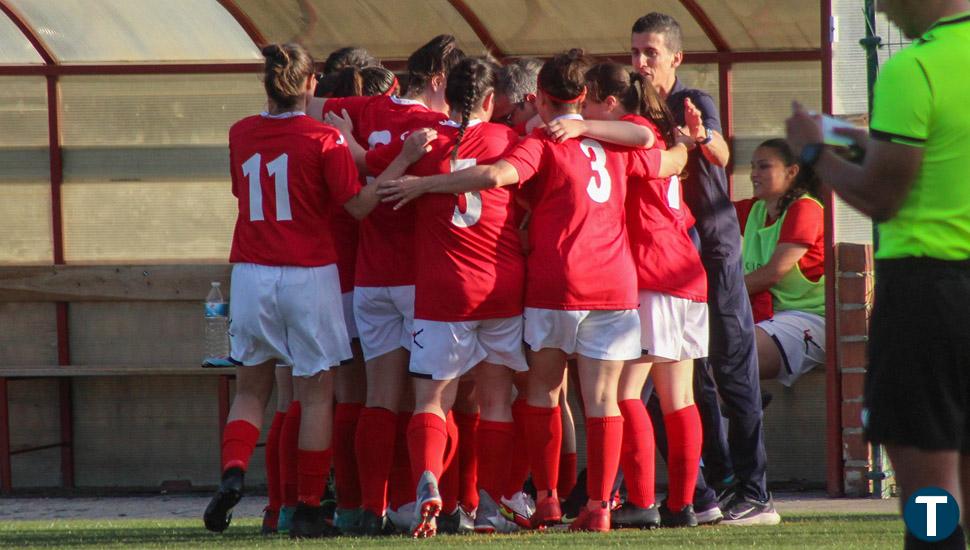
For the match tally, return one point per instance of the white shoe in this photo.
(427, 507)
(401, 518)
(521, 507)
(466, 520)
(489, 519)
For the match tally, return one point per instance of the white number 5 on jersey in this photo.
(473, 200)
(599, 192)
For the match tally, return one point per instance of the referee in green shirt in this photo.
(915, 182)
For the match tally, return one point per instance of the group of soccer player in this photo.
(423, 351)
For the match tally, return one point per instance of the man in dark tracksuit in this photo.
(656, 49)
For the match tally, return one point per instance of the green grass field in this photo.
(846, 531)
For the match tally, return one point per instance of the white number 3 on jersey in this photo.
(473, 200)
(599, 192)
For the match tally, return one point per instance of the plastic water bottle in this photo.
(216, 329)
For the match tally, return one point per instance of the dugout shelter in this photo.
(115, 209)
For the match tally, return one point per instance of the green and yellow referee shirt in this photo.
(922, 99)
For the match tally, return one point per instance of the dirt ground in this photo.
(188, 506)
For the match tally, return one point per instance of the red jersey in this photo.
(287, 173)
(469, 257)
(385, 256)
(580, 258)
(805, 225)
(657, 220)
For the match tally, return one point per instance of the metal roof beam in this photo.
(481, 31)
(708, 26)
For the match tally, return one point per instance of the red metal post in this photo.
(725, 80)
(6, 481)
(223, 402)
(835, 471)
(245, 22)
(481, 31)
(29, 32)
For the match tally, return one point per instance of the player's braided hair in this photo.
(468, 84)
(564, 77)
(806, 182)
(634, 93)
(438, 56)
(286, 71)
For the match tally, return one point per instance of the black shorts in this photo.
(918, 382)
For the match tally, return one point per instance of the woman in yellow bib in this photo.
(783, 252)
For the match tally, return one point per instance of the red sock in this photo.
(567, 474)
(495, 441)
(273, 483)
(346, 482)
(289, 442)
(427, 439)
(313, 468)
(449, 479)
(374, 444)
(604, 437)
(684, 438)
(519, 462)
(238, 441)
(468, 459)
(544, 427)
(400, 481)
(637, 454)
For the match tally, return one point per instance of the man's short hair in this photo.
(518, 79)
(664, 24)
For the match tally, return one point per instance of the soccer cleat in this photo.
(547, 511)
(347, 520)
(466, 521)
(218, 514)
(285, 519)
(748, 511)
(518, 509)
(310, 522)
(711, 515)
(270, 521)
(427, 507)
(489, 518)
(682, 518)
(371, 524)
(597, 520)
(400, 520)
(631, 516)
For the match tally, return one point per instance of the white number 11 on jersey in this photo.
(276, 169)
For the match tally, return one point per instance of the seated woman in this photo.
(783, 252)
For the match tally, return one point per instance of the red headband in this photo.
(393, 86)
(578, 99)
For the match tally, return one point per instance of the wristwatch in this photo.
(810, 154)
(708, 137)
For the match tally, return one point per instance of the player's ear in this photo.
(677, 60)
(488, 102)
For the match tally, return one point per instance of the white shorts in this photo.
(611, 335)
(384, 316)
(447, 350)
(348, 299)
(672, 328)
(291, 314)
(800, 338)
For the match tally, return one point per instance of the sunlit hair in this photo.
(286, 71)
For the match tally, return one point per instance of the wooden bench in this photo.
(37, 304)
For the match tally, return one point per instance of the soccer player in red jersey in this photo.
(286, 171)
(384, 280)
(468, 297)
(578, 193)
(673, 311)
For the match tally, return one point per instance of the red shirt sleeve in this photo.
(645, 163)
(353, 105)
(803, 223)
(380, 157)
(526, 157)
(743, 208)
(339, 169)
